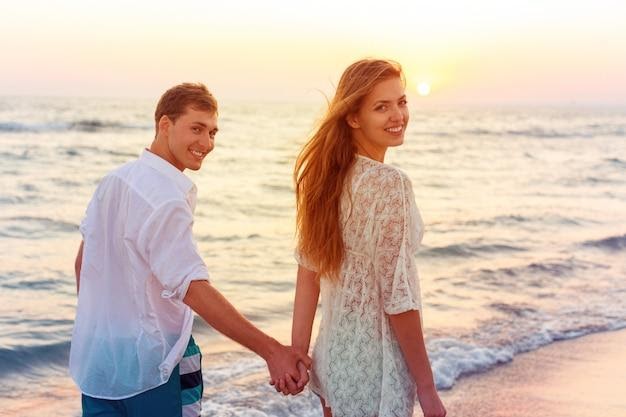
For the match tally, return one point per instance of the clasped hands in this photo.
(289, 370)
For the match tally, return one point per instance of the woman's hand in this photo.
(430, 402)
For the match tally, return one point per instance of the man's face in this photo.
(190, 138)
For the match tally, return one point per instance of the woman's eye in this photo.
(195, 129)
(381, 108)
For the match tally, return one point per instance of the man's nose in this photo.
(207, 142)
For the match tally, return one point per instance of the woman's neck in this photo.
(371, 152)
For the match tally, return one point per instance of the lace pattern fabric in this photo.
(358, 367)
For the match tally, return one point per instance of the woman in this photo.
(358, 228)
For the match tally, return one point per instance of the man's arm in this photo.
(217, 311)
(78, 264)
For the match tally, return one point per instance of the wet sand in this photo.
(583, 377)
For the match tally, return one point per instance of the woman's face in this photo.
(382, 118)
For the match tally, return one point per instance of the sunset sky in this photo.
(479, 51)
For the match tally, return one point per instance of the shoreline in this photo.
(581, 377)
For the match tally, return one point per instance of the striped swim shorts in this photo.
(181, 395)
(191, 380)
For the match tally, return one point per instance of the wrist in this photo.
(301, 348)
(426, 388)
(270, 348)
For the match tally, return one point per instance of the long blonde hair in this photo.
(324, 163)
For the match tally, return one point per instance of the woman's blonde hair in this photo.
(324, 163)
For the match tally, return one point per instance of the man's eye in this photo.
(195, 129)
(403, 102)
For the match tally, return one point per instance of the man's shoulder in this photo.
(137, 178)
(154, 186)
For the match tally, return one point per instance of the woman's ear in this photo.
(352, 121)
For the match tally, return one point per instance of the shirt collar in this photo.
(170, 171)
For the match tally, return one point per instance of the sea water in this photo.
(525, 242)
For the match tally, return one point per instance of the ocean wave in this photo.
(80, 125)
(28, 227)
(612, 243)
(514, 310)
(452, 358)
(517, 220)
(465, 250)
(25, 359)
(278, 188)
(590, 131)
(502, 219)
(616, 161)
(533, 274)
(45, 284)
(230, 238)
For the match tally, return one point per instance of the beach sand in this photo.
(583, 377)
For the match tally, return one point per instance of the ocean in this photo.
(525, 242)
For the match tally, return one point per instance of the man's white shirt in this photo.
(139, 257)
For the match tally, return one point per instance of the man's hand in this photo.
(78, 263)
(289, 370)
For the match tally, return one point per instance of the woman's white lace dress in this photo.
(358, 367)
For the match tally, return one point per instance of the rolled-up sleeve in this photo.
(167, 244)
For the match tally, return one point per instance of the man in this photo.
(139, 275)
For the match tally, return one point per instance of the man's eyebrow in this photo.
(204, 126)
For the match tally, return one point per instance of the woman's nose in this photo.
(397, 114)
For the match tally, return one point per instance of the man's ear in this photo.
(164, 124)
(352, 121)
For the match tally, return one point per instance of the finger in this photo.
(282, 387)
(305, 359)
(291, 384)
(293, 370)
(304, 375)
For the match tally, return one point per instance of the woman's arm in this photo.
(304, 307)
(407, 327)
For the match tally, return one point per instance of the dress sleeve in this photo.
(303, 261)
(167, 244)
(398, 230)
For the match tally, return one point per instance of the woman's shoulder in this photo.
(383, 176)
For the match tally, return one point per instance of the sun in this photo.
(423, 89)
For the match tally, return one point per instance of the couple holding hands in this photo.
(139, 275)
